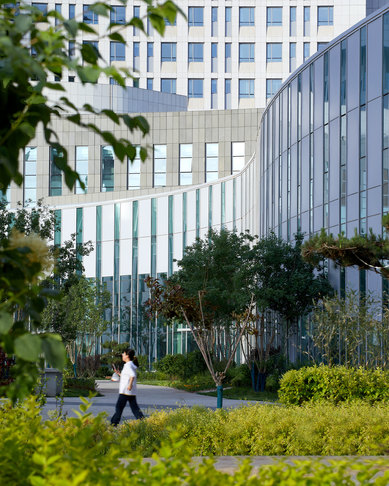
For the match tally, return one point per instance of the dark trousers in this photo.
(121, 403)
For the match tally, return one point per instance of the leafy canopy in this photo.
(367, 252)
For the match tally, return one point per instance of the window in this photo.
(29, 180)
(196, 16)
(118, 51)
(325, 16)
(135, 82)
(292, 56)
(71, 79)
(159, 165)
(168, 51)
(118, 15)
(149, 83)
(58, 10)
(93, 44)
(150, 57)
(89, 17)
(246, 52)
(246, 16)
(40, 6)
(72, 10)
(227, 27)
(274, 16)
(227, 55)
(214, 58)
(107, 169)
(227, 94)
(168, 86)
(214, 21)
(55, 176)
(133, 170)
(306, 50)
(246, 88)
(238, 158)
(137, 15)
(72, 49)
(168, 24)
(195, 88)
(274, 52)
(321, 45)
(113, 82)
(292, 21)
(214, 93)
(135, 56)
(307, 21)
(272, 86)
(82, 169)
(211, 162)
(185, 164)
(195, 52)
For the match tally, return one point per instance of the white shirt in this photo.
(128, 371)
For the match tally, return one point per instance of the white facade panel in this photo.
(163, 253)
(144, 217)
(162, 215)
(125, 256)
(177, 214)
(125, 221)
(216, 206)
(191, 210)
(144, 255)
(68, 224)
(204, 210)
(107, 258)
(107, 222)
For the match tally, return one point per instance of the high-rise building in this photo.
(226, 53)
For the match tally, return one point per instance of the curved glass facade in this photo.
(324, 144)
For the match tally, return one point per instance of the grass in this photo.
(245, 393)
(154, 382)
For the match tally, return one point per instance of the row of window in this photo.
(246, 52)
(325, 16)
(133, 168)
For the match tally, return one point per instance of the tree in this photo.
(284, 284)
(351, 331)
(32, 50)
(78, 316)
(40, 220)
(212, 294)
(367, 252)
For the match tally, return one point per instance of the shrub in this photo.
(336, 384)
(181, 366)
(240, 375)
(85, 451)
(317, 429)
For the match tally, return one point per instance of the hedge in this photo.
(335, 384)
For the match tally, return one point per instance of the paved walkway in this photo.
(150, 399)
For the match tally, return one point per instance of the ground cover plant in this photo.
(85, 451)
(335, 384)
(314, 429)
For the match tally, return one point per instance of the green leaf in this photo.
(112, 115)
(89, 53)
(54, 350)
(71, 26)
(117, 37)
(28, 347)
(23, 23)
(6, 322)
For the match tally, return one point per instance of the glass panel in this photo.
(159, 180)
(159, 151)
(107, 169)
(185, 179)
(212, 149)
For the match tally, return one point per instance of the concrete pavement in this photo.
(150, 398)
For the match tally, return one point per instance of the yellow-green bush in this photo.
(315, 429)
(87, 451)
(335, 384)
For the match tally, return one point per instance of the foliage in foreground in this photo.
(336, 384)
(317, 429)
(82, 451)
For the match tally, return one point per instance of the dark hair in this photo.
(131, 354)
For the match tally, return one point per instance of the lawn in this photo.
(245, 393)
